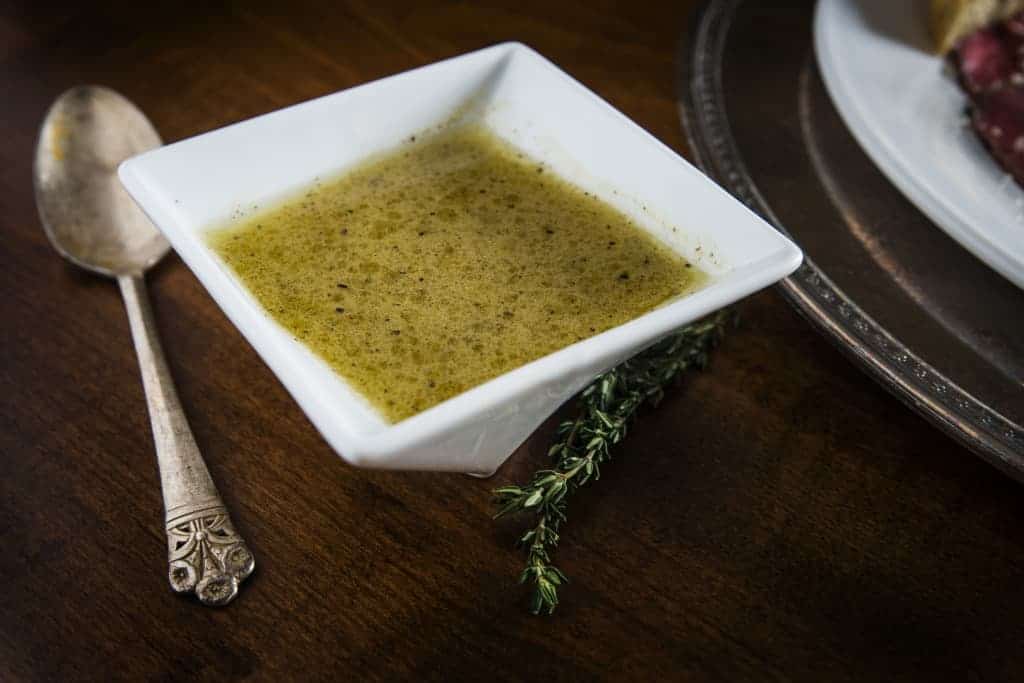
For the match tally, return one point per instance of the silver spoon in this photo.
(92, 222)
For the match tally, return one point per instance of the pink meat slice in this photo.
(986, 60)
(998, 118)
(991, 66)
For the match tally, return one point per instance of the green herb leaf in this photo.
(606, 408)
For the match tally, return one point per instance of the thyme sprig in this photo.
(583, 444)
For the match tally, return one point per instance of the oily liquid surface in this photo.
(446, 263)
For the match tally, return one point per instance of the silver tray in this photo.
(921, 315)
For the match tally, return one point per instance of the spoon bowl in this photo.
(86, 213)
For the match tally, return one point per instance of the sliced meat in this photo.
(998, 118)
(986, 60)
(990, 63)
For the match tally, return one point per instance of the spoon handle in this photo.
(205, 553)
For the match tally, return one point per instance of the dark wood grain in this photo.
(779, 517)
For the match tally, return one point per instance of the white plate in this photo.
(192, 185)
(909, 118)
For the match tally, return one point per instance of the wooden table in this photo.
(779, 517)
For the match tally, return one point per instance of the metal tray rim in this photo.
(701, 105)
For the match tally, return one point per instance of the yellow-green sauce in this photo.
(446, 263)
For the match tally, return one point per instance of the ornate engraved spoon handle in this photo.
(205, 553)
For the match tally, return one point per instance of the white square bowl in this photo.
(194, 185)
